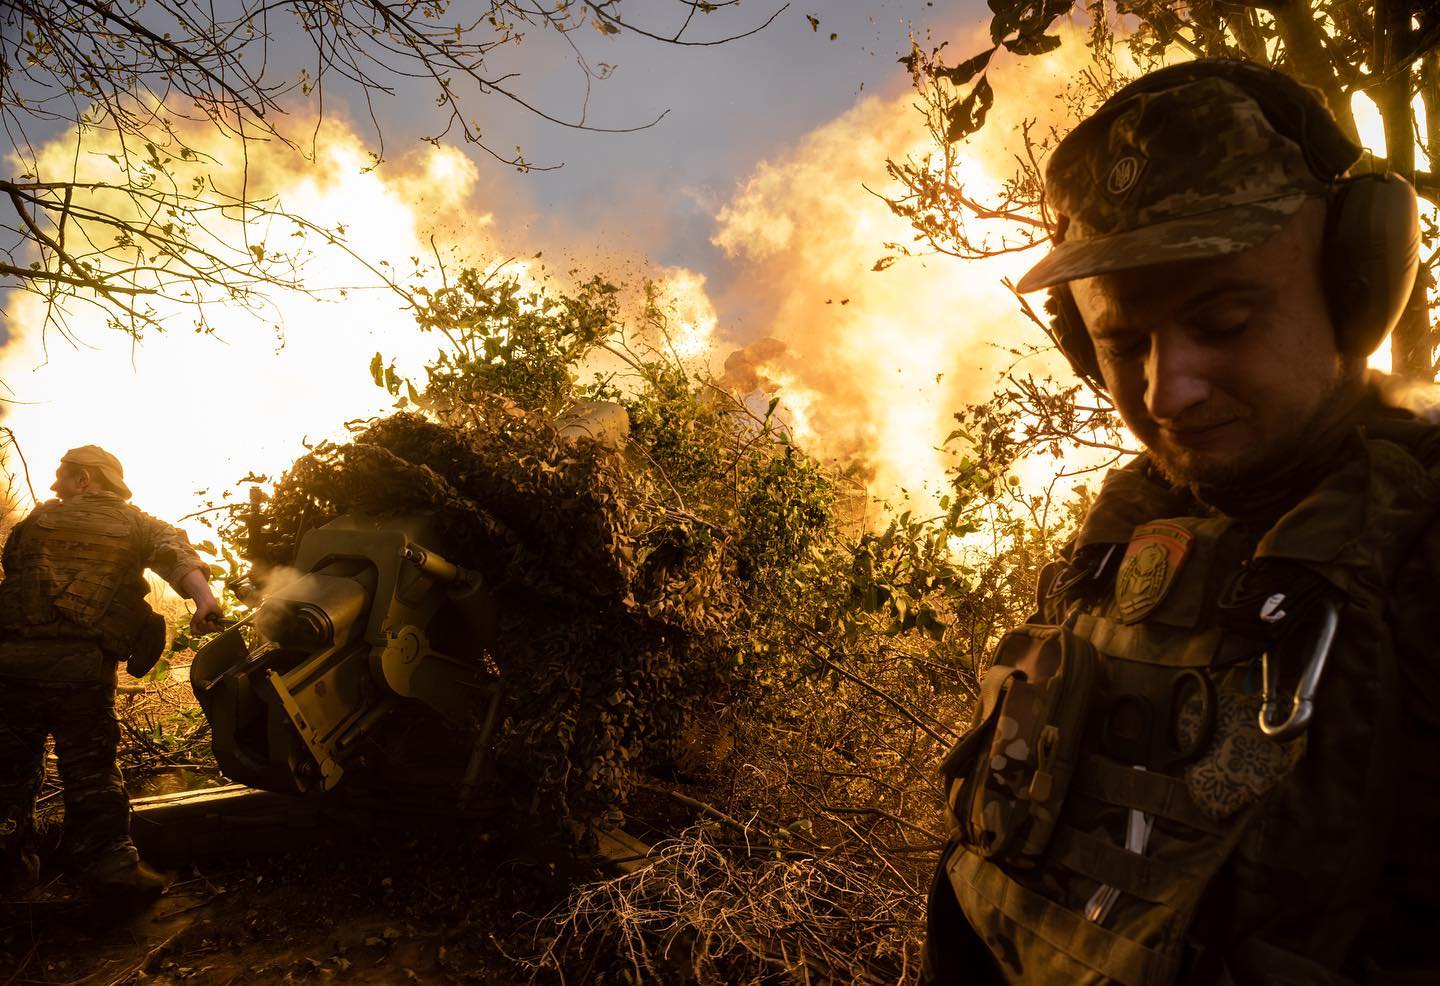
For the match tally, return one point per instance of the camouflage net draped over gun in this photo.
(615, 613)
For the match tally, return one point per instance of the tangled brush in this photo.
(705, 908)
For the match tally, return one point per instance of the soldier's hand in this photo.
(207, 617)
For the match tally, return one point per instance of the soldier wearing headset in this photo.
(1213, 755)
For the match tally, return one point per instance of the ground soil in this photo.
(440, 905)
(389, 899)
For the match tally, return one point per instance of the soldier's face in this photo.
(1221, 367)
(70, 481)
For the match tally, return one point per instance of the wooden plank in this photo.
(173, 830)
(623, 850)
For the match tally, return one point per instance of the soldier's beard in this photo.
(1259, 470)
(1197, 471)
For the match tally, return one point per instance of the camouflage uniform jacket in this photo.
(73, 596)
(1117, 814)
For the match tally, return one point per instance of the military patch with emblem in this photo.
(1147, 571)
(1123, 174)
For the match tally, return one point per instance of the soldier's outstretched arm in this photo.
(166, 550)
(206, 618)
(168, 553)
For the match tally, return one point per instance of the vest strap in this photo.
(1149, 791)
(1131, 873)
(966, 747)
(1081, 943)
(1139, 642)
(991, 686)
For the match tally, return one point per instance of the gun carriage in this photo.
(369, 665)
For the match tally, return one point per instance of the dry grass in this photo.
(813, 860)
(717, 905)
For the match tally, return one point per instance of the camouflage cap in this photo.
(1192, 171)
(95, 457)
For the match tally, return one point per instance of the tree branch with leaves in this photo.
(1385, 50)
(114, 110)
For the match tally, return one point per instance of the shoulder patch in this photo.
(1153, 557)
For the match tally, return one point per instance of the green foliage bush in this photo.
(699, 587)
(629, 583)
(513, 341)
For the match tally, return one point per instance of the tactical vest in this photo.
(74, 571)
(1117, 773)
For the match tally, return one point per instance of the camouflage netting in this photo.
(616, 613)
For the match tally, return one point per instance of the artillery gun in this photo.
(367, 675)
(369, 666)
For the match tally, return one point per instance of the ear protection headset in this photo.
(1372, 230)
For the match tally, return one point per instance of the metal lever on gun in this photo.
(432, 564)
(1302, 706)
(461, 581)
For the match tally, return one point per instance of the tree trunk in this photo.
(1308, 60)
(1430, 99)
(1248, 37)
(1410, 346)
(1428, 184)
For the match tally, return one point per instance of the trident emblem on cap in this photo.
(1123, 174)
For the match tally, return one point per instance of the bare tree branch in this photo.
(143, 82)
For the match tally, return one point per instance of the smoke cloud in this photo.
(869, 365)
(188, 410)
(873, 364)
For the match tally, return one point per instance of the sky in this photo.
(726, 108)
(750, 203)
